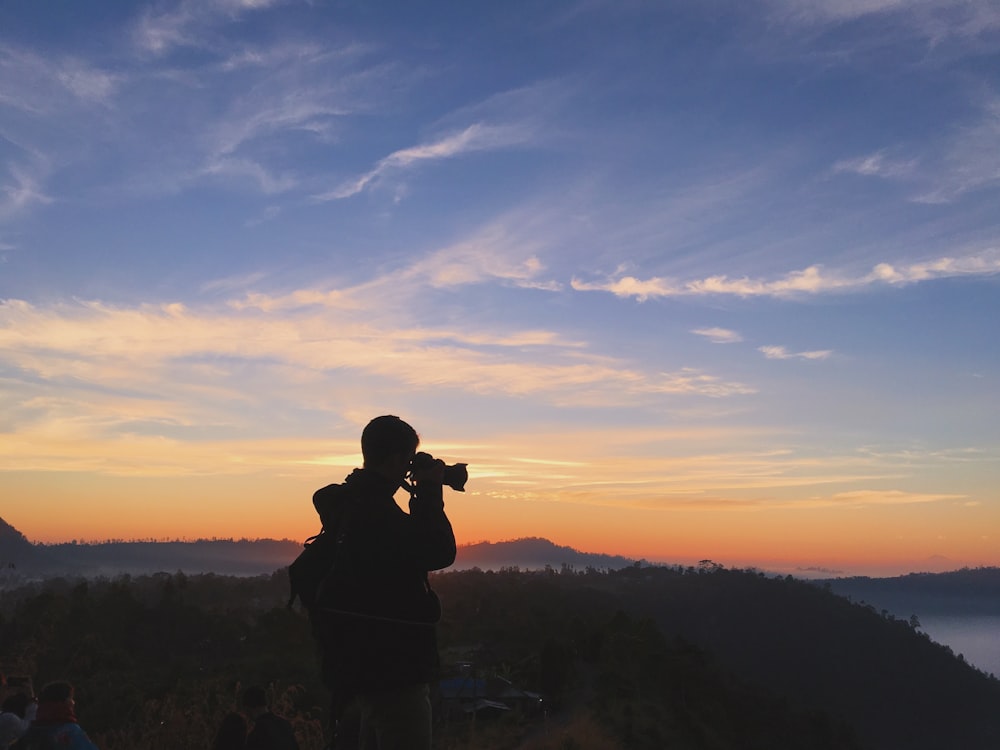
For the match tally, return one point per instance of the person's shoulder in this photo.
(72, 731)
(70, 736)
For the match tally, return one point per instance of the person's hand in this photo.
(429, 471)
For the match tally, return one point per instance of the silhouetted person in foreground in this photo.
(268, 731)
(17, 710)
(232, 733)
(55, 726)
(375, 614)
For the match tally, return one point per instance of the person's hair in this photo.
(55, 692)
(254, 697)
(387, 436)
(15, 704)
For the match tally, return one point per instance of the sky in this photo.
(701, 279)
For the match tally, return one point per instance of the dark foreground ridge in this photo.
(641, 657)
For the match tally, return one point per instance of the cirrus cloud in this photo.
(475, 137)
(780, 352)
(719, 335)
(809, 281)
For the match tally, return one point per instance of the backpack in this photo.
(307, 571)
(325, 566)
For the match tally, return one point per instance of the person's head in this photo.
(388, 445)
(56, 692)
(16, 704)
(254, 700)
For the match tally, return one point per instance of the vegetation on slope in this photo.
(636, 658)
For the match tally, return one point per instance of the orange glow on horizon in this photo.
(890, 538)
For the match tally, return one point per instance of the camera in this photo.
(455, 476)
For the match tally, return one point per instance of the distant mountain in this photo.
(244, 557)
(12, 541)
(970, 591)
(20, 560)
(15, 551)
(533, 553)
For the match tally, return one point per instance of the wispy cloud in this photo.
(185, 23)
(780, 352)
(506, 250)
(821, 11)
(475, 137)
(234, 122)
(287, 54)
(239, 169)
(49, 84)
(646, 469)
(501, 251)
(268, 109)
(809, 281)
(966, 158)
(875, 165)
(21, 189)
(139, 349)
(934, 20)
(890, 497)
(281, 103)
(231, 283)
(719, 335)
(970, 159)
(268, 214)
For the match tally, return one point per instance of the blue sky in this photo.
(687, 279)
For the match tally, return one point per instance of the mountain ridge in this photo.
(961, 591)
(20, 559)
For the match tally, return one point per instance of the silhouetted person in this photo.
(55, 726)
(269, 731)
(17, 710)
(232, 733)
(376, 614)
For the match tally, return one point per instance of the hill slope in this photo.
(970, 591)
(818, 653)
(651, 657)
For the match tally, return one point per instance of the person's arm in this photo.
(436, 538)
(385, 540)
(13, 726)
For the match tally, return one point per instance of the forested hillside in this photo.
(973, 591)
(636, 658)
